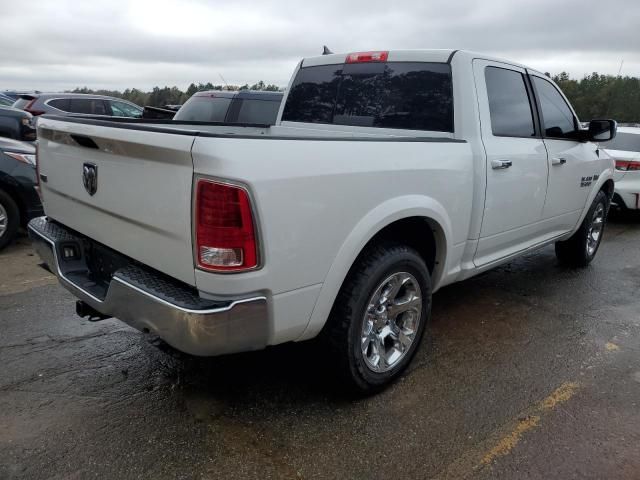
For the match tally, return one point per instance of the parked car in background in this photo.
(77, 103)
(19, 200)
(387, 176)
(17, 124)
(159, 113)
(625, 150)
(15, 94)
(244, 106)
(6, 101)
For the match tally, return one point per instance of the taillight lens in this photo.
(363, 57)
(225, 235)
(627, 165)
(27, 158)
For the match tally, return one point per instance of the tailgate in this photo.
(141, 206)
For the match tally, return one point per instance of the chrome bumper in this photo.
(151, 302)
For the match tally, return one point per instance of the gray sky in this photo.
(62, 44)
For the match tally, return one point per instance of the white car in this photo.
(387, 175)
(625, 150)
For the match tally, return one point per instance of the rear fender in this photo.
(377, 219)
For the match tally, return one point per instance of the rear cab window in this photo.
(204, 108)
(397, 95)
(258, 111)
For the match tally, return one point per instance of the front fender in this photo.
(607, 174)
(372, 223)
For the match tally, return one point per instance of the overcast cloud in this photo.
(62, 44)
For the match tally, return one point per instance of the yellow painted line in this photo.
(560, 395)
(506, 444)
(612, 347)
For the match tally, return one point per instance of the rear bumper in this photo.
(628, 191)
(149, 301)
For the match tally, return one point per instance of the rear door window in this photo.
(509, 104)
(88, 106)
(406, 95)
(204, 108)
(60, 104)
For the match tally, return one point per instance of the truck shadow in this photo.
(491, 318)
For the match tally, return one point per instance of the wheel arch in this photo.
(12, 189)
(389, 220)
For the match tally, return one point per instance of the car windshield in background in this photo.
(626, 142)
(204, 109)
(407, 95)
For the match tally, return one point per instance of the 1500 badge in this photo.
(587, 181)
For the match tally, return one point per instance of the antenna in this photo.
(613, 89)
(326, 51)
(224, 81)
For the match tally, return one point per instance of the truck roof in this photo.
(418, 55)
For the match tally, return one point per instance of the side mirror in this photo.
(602, 130)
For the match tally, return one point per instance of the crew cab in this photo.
(386, 176)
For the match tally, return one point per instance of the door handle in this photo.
(500, 164)
(558, 161)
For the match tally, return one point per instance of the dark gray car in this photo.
(16, 124)
(77, 104)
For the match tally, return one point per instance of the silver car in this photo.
(77, 104)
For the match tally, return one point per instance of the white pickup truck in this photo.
(387, 176)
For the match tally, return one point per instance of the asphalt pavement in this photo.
(531, 370)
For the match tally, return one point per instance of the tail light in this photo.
(628, 165)
(225, 234)
(33, 112)
(363, 57)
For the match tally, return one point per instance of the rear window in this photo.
(627, 142)
(258, 111)
(204, 109)
(22, 102)
(406, 95)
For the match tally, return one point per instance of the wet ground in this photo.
(529, 371)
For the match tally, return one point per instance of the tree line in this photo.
(593, 96)
(160, 96)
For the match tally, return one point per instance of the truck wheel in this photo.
(581, 247)
(379, 316)
(9, 219)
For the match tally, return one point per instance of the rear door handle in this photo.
(558, 161)
(499, 164)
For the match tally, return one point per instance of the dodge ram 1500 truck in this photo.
(387, 175)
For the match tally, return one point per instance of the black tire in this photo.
(12, 221)
(574, 252)
(342, 334)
